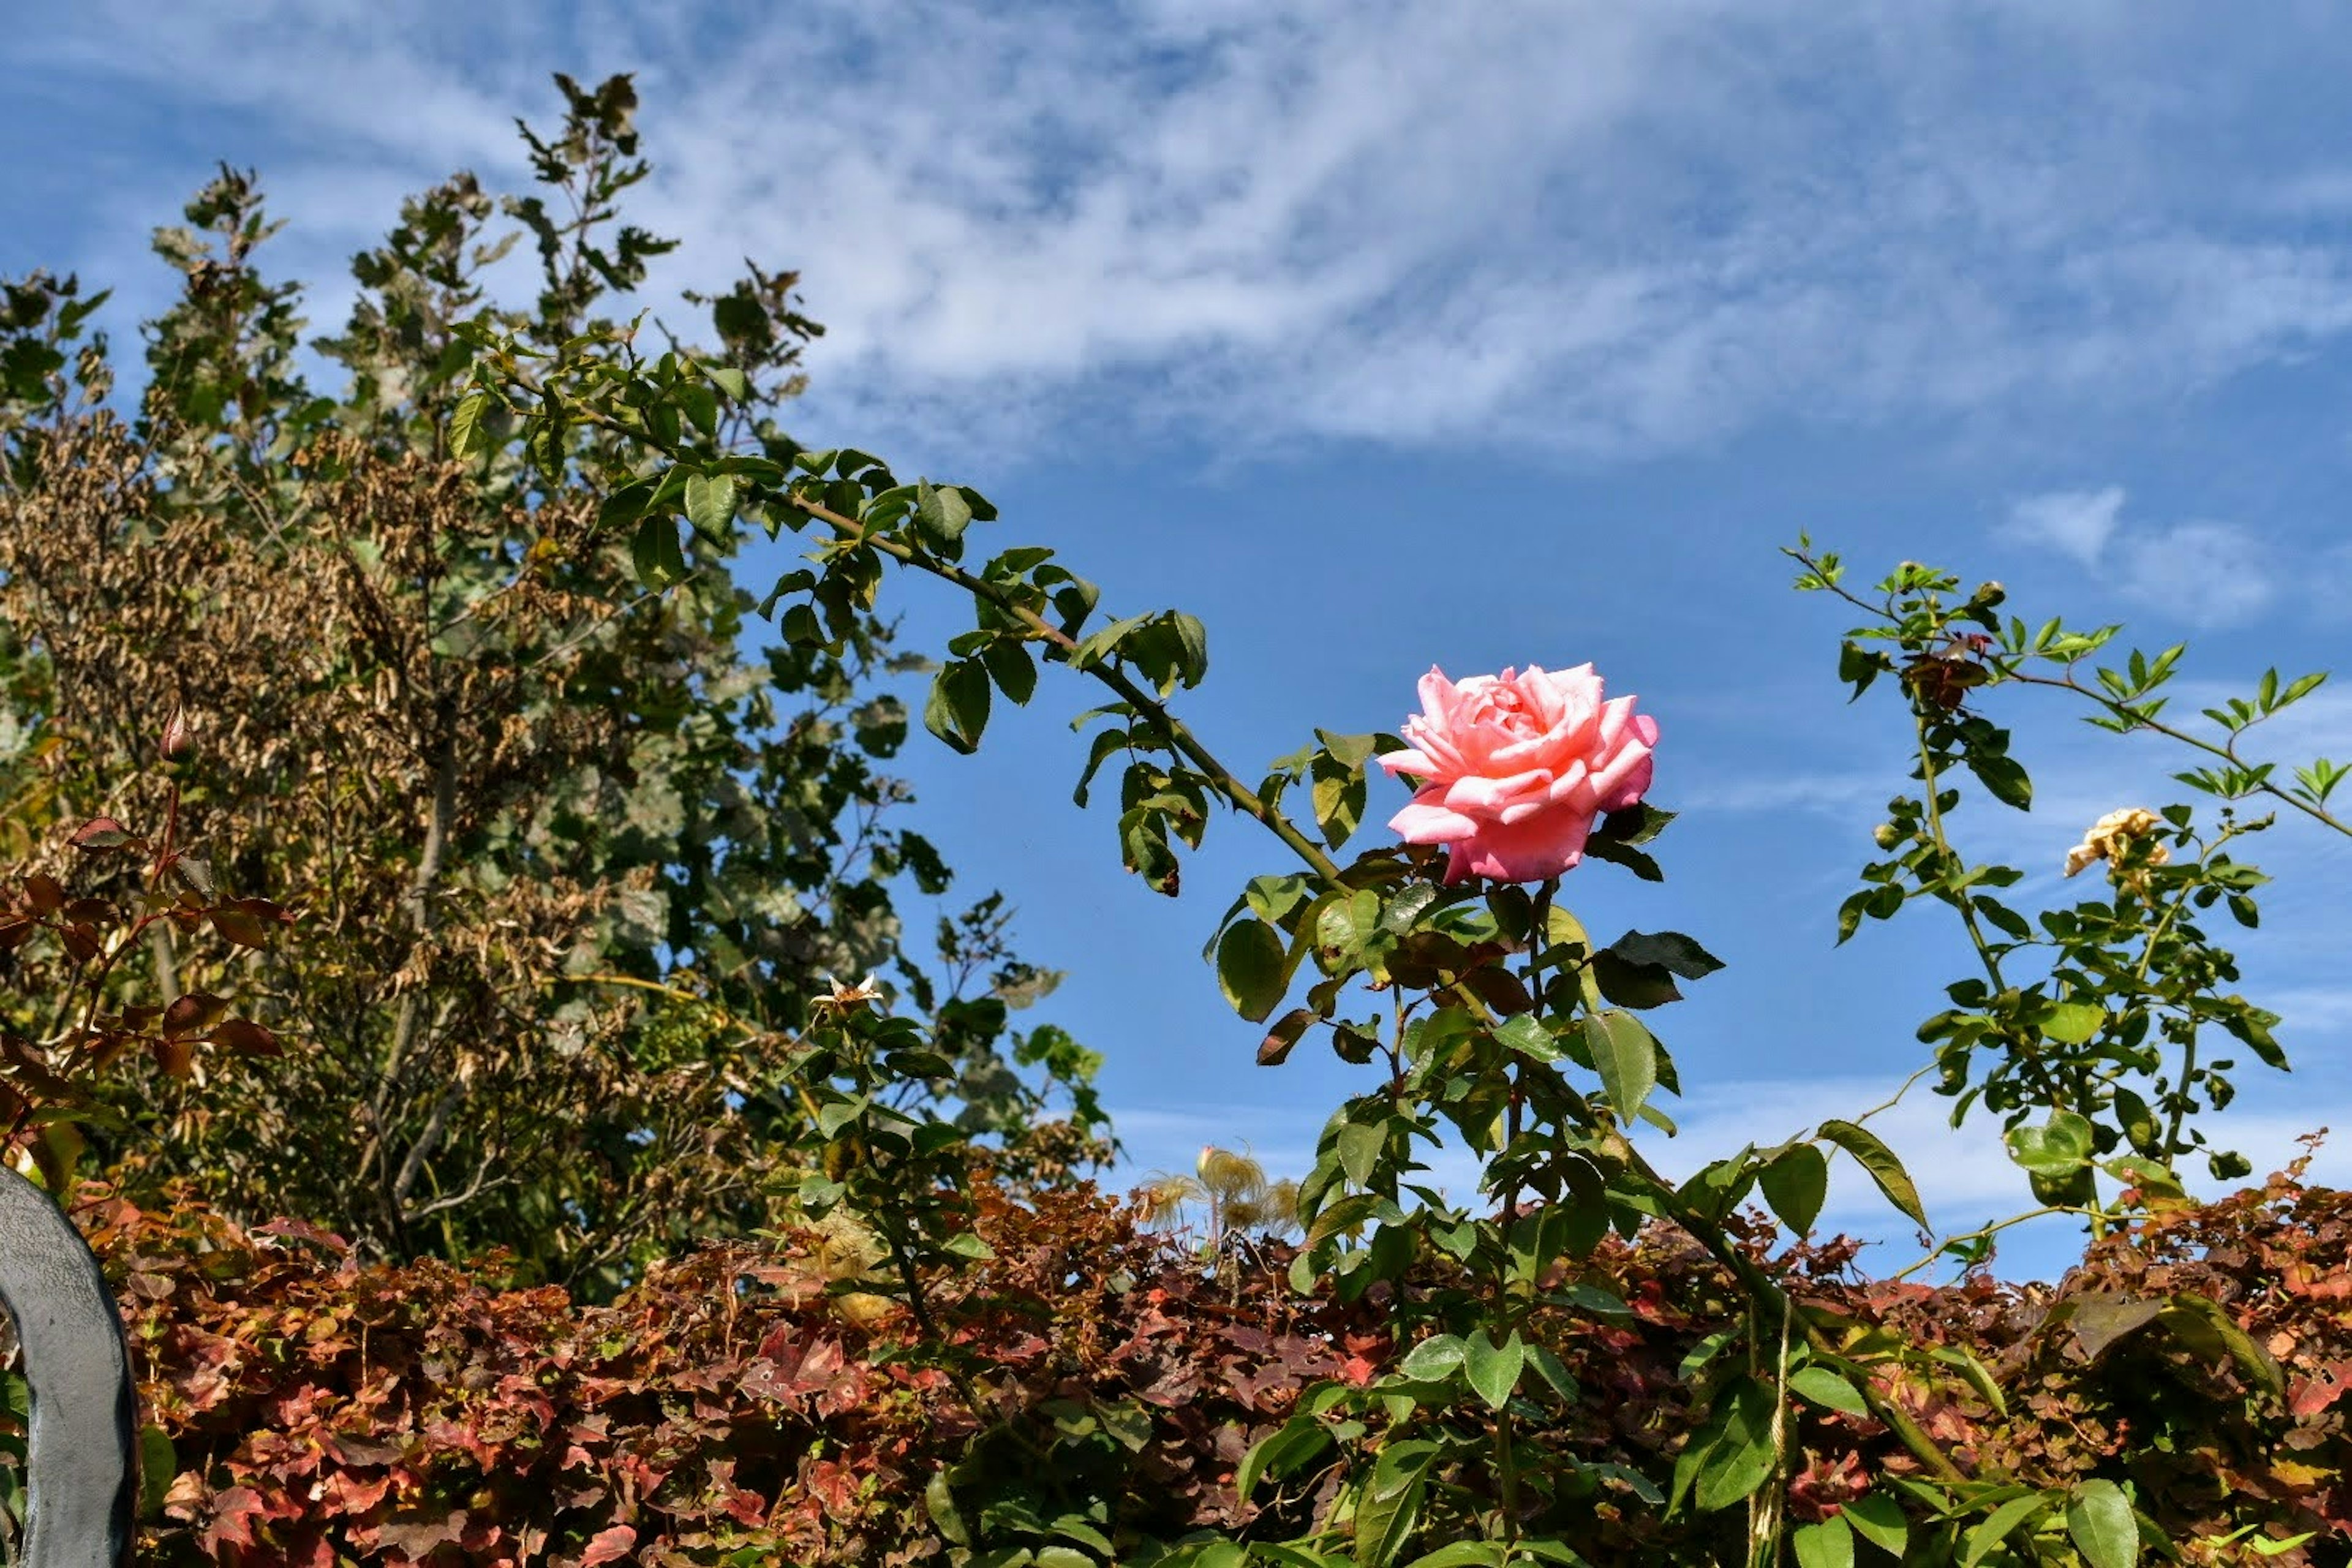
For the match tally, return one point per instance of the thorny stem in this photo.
(1752, 1279)
(2140, 976)
(1174, 731)
(1960, 900)
(2227, 752)
(2137, 717)
(1892, 1100)
(1993, 1229)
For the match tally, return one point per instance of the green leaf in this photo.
(1829, 1544)
(956, 711)
(1667, 949)
(1360, 1147)
(1553, 1370)
(2004, 778)
(1338, 797)
(939, 1502)
(710, 503)
(964, 1244)
(2057, 1148)
(1014, 671)
(1974, 1372)
(2072, 1023)
(1433, 1360)
(2206, 1327)
(1626, 1058)
(1741, 1456)
(1637, 985)
(655, 551)
(1878, 1519)
(1528, 1038)
(1997, 1528)
(1461, 1554)
(1885, 1169)
(1276, 1048)
(1281, 1451)
(1193, 639)
(1390, 1504)
(941, 514)
(466, 436)
(1250, 968)
(158, 1467)
(1795, 1184)
(1493, 1372)
(1827, 1390)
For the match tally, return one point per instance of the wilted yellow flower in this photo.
(1162, 1196)
(2111, 837)
(1229, 1176)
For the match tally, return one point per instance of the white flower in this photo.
(847, 996)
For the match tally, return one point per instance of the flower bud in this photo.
(1886, 835)
(176, 735)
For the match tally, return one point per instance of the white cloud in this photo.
(1596, 228)
(2206, 573)
(2077, 524)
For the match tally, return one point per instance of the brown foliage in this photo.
(389, 738)
(736, 1407)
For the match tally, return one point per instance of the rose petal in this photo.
(1513, 768)
(1529, 851)
(1427, 821)
(1485, 796)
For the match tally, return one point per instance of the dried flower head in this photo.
(2110, 839)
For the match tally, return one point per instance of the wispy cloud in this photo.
(1593, 228)
(2206, 573)
(2077, 523)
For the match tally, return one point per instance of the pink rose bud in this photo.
(1516, 766)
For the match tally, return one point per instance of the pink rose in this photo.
(1514, 768)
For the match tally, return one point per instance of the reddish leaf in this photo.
(175, 1057)
(101, 833)
(44, 892)
(246, 1037)
(239, 926)
(608, 1546)
(233, 1512)
(192, 1013)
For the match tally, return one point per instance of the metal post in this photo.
(80, 1469)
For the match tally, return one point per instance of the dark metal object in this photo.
(80, 1468)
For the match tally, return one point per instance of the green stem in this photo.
(1993, 1229)
(1752, 1279)
(2228, 753)
(1174, 731)
(1929, 780)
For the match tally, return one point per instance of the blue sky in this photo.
(1386, 334)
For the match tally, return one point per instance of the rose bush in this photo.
(1514, 768)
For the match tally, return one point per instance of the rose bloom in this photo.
(1516, 766)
